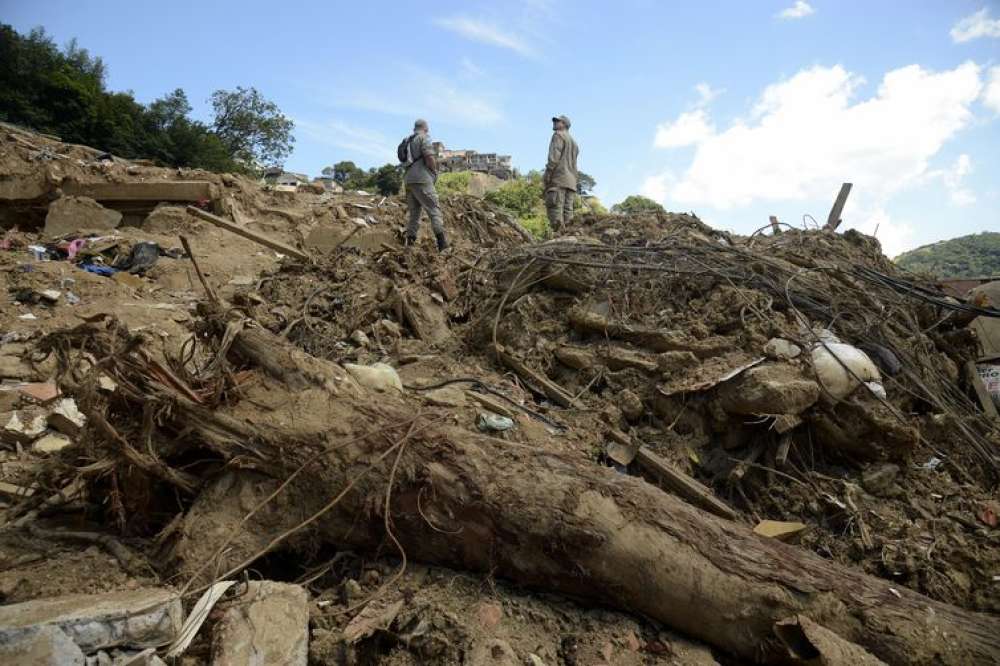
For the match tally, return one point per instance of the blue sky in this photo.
(733, 110)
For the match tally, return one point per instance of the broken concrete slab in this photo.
(78, 215)
(769, 389)
(141, 618)
(40, 646)
(22, 427)
(447, 396)
(267, 625)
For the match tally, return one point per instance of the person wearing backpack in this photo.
(416, 155)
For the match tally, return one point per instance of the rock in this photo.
(66, 418)
(575, 357)
(447, 396)
(619, 358)
(489, 615)
(630, 404)
(147, 657)
(673, 362)
(390, 329)
(360, 338)
(378, 376)
(493, 652)
(351, 591)
(41, 646)
(880, 480)
(535, 660)
(141, 618)
(51, 443)
(778, 529)
(781, 349)
(78, 215)
(268, 625)
(769, 389)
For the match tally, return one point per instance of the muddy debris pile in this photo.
(643, 441)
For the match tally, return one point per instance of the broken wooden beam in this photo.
(775, 225)
(535, 380)
(228, 225)
(833, 221)
(682, 485)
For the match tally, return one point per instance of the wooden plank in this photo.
(148, 190)
(833, 221)
(683, 485)
(985, 399)
(536, 381)
(775, 224)
(223, 223)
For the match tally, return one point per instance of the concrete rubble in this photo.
(268, 625)
(465, 459)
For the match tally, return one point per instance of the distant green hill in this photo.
(966, 256)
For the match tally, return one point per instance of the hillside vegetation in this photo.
(967, 256)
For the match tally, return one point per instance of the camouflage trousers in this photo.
(559, 206)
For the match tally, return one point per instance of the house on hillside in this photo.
(470, 160)
(278, 176)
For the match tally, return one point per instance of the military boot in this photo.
(442, 242)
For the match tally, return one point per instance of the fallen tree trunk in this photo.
(552, 522)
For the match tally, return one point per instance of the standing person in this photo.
(560, 174)
(416, 153)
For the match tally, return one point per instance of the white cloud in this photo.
(422, 93)
(974, 26)
(706, 93)
(952, 179)
(690, 128)
(808, 134)
(486, 32)
(800, 9)
(656, 187)
(991, 96)
(895, 236)
(348, 137)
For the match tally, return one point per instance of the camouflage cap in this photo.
(564, 119)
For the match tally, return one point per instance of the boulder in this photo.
(141, 618)
(267, 625)
(769, 389)
(79, 215)
(40, 646)
(379, 377)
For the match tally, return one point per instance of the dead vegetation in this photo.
(634, 415)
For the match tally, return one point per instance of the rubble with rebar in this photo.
(712, 448)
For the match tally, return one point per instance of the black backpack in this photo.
(403, 152)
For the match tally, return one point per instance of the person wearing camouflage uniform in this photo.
(421, 174)
(561, 175)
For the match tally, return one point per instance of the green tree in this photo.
(252, 128)
(345, 171)
(388, 180)
(585, 183)
(453, 183)
(637, 203)
(976, 255)
(521, 196)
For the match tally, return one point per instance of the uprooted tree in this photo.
(370, 474)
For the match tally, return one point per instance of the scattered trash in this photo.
(487, 421)
(841, 368)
